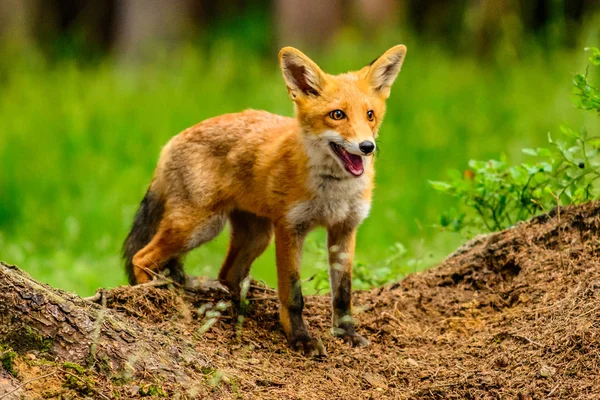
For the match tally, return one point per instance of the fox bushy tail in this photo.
(145, 225)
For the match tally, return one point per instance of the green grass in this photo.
(78, 146)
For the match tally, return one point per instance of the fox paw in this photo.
(308, 346)
(351, 337)
(355, 340)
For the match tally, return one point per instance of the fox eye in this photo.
(370, 115)
(337, 115)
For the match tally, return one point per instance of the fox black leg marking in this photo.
(341, 241)
(343, 324)
(300, 339)
(288, 249)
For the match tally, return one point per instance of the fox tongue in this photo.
(353, 163)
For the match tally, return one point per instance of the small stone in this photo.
(502, 362)
(411, 362)
(375, 380)
(547, 371)
(523, 298)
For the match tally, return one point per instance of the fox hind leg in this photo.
(250, 236)
(176, 235)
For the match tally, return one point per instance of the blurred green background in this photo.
(90, 91)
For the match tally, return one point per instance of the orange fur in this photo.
(267, 173)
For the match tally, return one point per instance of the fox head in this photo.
(340, 115)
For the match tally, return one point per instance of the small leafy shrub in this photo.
(494, 194)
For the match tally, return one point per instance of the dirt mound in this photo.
(514, 314)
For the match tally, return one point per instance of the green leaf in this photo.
(441, 186)
(531, 152)
(569, 132)
(544, 152)
(546, 167)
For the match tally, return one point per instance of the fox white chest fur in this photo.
(335, 202)
(338, 197)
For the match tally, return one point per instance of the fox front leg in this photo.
(288, 249)
(340, 242)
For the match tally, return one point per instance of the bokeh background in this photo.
(91, 90)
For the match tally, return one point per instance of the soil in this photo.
(510, 315)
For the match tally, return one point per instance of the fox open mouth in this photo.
(352, 162)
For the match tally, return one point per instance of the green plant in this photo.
(74, 366)
(7, 356)
(366, 275)
(494, 195)
(151, 390)
(587, 96)
(211, 315)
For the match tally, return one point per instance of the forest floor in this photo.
(514, 314)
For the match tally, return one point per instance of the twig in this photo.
(95, 298)
(560, 249)
(27, 382)
(262, 298)
(98, 327)
(587, 312)
(483, 218)
(553, 390)
(158, 277)
(265, 288)
(390, 316)
(526, 339)
(536, 310)
(155, 283)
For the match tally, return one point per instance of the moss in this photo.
(82, 386)
(76, 367)
(26, 339)
(44, 344)
(7, 357)
(208, 370)
(103, 365)
(151, 390)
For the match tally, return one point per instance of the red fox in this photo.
(271, 175)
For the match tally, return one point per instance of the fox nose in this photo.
(366, 147)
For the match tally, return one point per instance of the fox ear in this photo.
(384, 70)
(302, 76)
